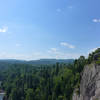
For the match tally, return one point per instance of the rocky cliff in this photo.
(90, 84)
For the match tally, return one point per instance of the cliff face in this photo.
(90, 84)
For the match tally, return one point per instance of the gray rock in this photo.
(90, 84)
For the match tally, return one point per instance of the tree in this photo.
(29, 94)
(13, 95)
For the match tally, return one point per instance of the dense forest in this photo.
(45, 82)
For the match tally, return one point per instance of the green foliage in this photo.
(98, 62)
(44, 82)
(94, 57)
(29, 94)
(49, 82)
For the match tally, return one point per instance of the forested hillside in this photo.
(47, 82)
(4, 62)
(89, 88)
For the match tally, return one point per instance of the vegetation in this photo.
(48, 82)
(45, 82)
(94, 57)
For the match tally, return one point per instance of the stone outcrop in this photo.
(90, 84)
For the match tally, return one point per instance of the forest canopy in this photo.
(45, 82)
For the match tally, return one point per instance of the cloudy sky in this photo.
(34, 29)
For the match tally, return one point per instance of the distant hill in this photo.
(35, 62)
(50, 61)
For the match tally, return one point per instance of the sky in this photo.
(38, 29)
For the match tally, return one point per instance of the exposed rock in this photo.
(76, 96)
(90, 84)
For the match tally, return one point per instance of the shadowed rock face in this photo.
(90, 84)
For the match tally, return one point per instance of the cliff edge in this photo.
(90, 84)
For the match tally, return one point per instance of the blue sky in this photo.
(35, 29)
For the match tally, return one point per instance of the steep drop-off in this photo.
(90, 84)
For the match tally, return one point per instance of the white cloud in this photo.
(53, 49)
(70, 7)
(18, 45)
(55, 53)
(4, 29)
(67, 45)
(33, 56)
(51, 54)
(92, 50)
(58, 10)
(96, 20)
